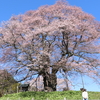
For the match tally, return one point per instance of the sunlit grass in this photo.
(58, 95)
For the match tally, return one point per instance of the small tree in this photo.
(57, 38)
(6, 82)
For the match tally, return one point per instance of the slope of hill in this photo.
(58, 95)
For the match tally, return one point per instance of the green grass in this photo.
(58, 95)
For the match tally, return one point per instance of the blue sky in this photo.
(15, 7)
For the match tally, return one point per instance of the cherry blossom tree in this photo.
(57, 38)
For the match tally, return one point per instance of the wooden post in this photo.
(47, 99)
(32, 98)
(17, 89)
(65, 98)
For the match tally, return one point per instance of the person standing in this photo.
(85, 94)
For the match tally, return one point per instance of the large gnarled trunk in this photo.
(50, 80)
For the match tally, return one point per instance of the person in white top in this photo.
(85, 94)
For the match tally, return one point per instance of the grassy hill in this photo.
(58, 95)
